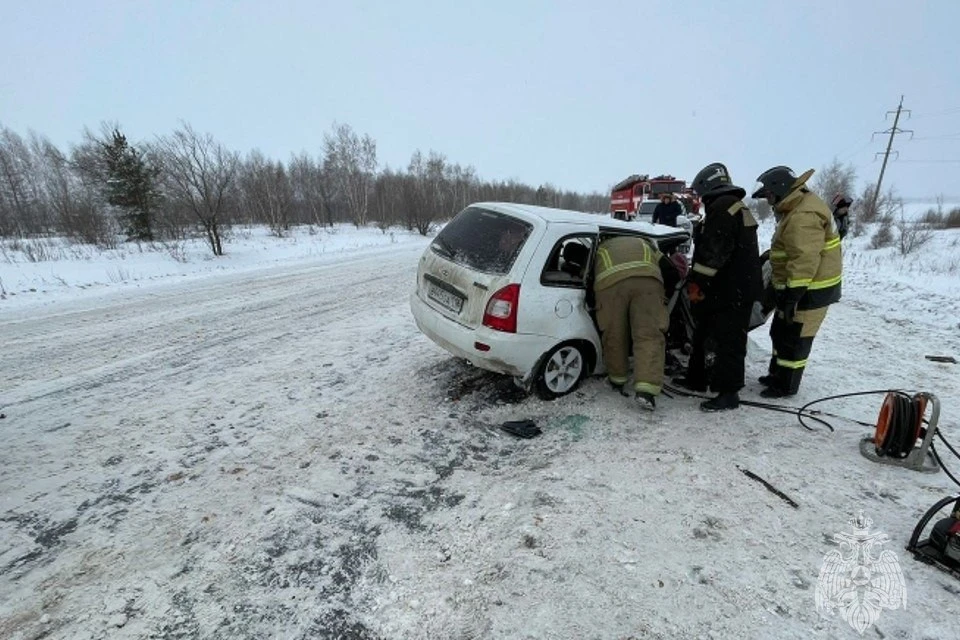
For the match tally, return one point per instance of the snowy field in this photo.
(264, 446)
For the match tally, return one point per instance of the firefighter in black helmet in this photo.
(807, 266)
(723, 284)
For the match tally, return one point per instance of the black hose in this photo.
(805, 409)
(936, 457)
(900, 436)
(757, 405)
(944, 440)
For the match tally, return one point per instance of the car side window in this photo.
(568, 262)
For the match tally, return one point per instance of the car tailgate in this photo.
(455, 291)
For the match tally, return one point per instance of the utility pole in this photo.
(886, 154)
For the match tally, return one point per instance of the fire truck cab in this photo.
(628, 195)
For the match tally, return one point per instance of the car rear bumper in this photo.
(509, 354)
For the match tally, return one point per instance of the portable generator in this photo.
(942, 547)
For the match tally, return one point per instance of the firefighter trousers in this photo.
(719, 348)
(791, 346)
(634, 310)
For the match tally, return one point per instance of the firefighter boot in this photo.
(618, 388)
(775, 391)
(723, 402)
(645, 401)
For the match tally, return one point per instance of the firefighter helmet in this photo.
(776, 183)
(714, 180)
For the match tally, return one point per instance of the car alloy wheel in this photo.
(562, 370)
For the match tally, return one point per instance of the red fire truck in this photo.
(629, 195)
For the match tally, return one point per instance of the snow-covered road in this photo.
(280, 454)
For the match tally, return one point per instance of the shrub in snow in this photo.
(933, 218)
(912, 236)
(952, 219)
(883, 237)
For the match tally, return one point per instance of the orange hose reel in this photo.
(899, 424)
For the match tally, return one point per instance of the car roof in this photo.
(563, 216)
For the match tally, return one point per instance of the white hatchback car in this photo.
(504, 286)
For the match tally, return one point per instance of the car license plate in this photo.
(445, 298)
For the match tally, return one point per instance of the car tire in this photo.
(561, 371)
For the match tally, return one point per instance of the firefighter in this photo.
(667, 211)
(722, 286)
(630, 277)
(841, 213)
(807, 269)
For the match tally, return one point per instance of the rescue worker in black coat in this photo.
(841, 213)
(723, 285)
(667, 211)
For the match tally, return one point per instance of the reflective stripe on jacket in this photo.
(805, 253)
(625, 257)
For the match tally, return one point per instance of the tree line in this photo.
(107, 189)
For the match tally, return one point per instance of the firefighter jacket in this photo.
(726, 255)
(805, 253)
(623, 257)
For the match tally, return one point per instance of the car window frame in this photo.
(592, 235)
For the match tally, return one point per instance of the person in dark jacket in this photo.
(841, 213)
(723, 284)
(667, 211)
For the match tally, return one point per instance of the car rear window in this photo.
(483, 240)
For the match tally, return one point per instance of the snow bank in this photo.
(55, 269)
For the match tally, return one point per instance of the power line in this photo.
(933, 114)
(945, 136)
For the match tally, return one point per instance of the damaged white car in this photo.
(504, 286)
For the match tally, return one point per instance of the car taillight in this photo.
(501, 312)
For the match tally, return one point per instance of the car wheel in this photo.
(561, 371)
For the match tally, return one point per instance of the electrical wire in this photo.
(945, 112)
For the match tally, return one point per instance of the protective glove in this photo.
(695, 293)
(787, 307)
(790, 312)
(697, 287)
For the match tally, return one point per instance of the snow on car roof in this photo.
(563, 216)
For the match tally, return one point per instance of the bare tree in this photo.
(865, 210)
(835, 178)
(351, 162)
(761, 208)
(312, 189)
(78, 208)
(22, 210)
(266, 192)
(200, 172)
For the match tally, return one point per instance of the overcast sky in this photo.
(578, 94)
